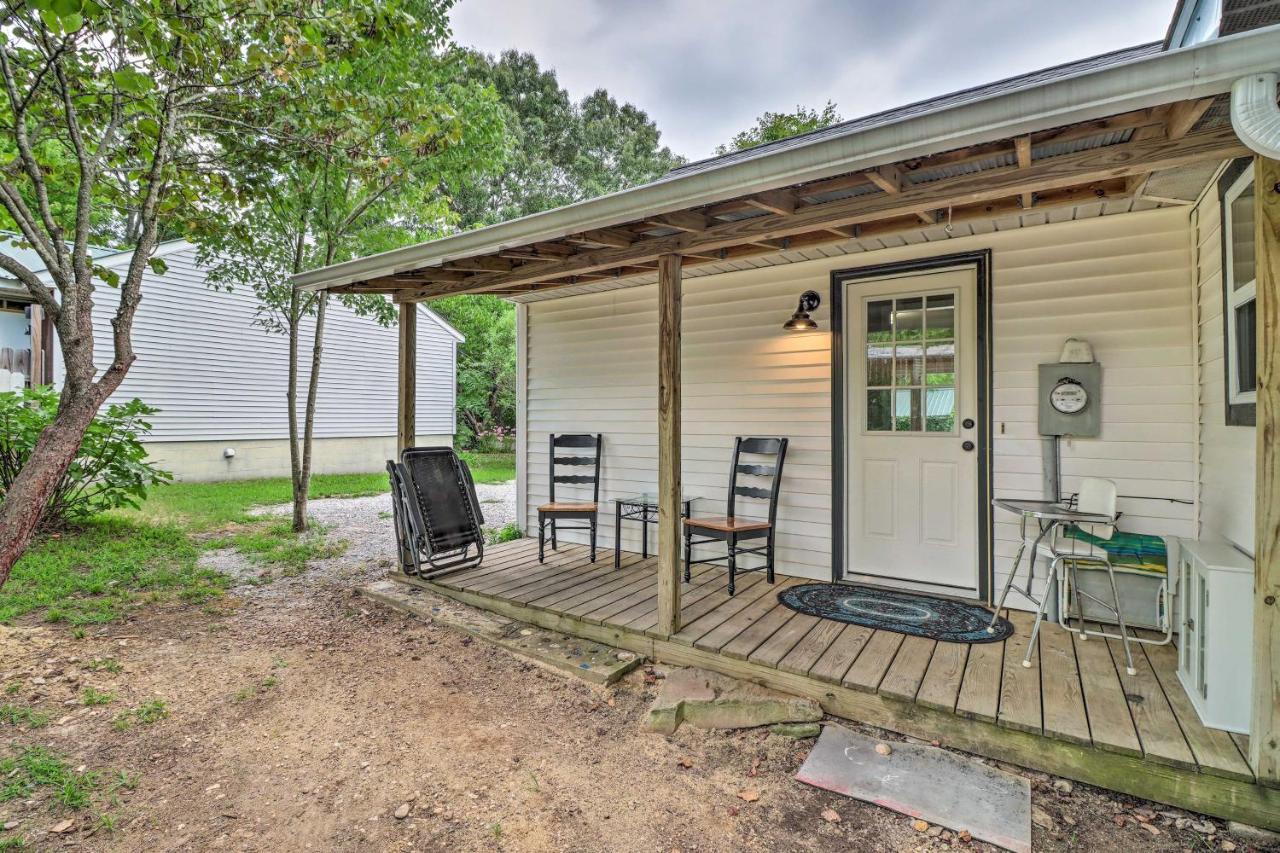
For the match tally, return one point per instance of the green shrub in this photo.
(109, 471)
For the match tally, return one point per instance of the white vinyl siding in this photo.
(1228, 454)
(1122, 282)
(215, 375)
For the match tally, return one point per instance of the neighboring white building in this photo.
(219, 379)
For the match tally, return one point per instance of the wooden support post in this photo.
(669, 538)
(407, 399)
(1264, 740)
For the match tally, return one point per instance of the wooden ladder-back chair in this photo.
(733, 529)
(554, 511)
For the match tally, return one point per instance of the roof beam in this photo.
(781, 202)
(887, 178)
(1022, 148)
(1184, 115)
(681, 220)
(615, 237)
(1051, 173)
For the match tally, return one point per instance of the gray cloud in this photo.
(705, 69)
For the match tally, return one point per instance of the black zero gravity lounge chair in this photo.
(436, 514)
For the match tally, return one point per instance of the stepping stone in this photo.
(590, 661)
(709, 700)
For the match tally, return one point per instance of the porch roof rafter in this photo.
(1163, 94)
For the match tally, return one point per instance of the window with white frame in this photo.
(1240, 293)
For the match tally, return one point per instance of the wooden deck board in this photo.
(979, 696)
(693, 628)
(840, 655)
(873, 662)
(1064, 712)
(1020, 685)
(807, 652)
(1110, 723)
(784, 640)
(903, 678)
(1067, 714)
(940, 686)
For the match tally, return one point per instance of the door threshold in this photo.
(967, 595)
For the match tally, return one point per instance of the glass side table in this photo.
(644, 509)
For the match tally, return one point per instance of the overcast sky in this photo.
(705, 69)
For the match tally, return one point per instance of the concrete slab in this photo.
(925, 782)
(590, 661)
(709, 700)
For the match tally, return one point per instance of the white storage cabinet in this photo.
(1215, 653)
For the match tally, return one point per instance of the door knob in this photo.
(968, 445)
(967, 423)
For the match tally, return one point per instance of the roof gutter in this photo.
(1203, 70)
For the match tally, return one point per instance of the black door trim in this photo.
(981, 262)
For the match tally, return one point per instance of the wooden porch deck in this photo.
(1074, 713)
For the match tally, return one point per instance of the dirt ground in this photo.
(301, 717)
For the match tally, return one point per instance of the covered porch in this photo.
(1106, 161)
(1074, 713)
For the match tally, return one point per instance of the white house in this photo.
(1130, 200)
(219, 379)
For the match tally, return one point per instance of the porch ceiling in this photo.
(1010, 166)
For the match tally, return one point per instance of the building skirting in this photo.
(269, 457)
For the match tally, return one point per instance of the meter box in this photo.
(1071, 399)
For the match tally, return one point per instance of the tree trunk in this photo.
(27, 498)
(303, 485)
(294, 320)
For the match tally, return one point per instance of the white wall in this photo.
(1121, 281)
(215, 376)
(1228, 454)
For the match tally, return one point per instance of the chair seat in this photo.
(1065, 546)
(728, 525)
(567, 507)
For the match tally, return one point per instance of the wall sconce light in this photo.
(801, 321)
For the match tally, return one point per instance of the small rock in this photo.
(63, 826)
(799, 731)
(1182, 823)
(965, 836)
(750, 795)
(1228, 846)
(402, 812)
(831, 815)
(1205, 827)
(1151, 828)
(934, 831)
(884, 749)
(1041, 818)
(920, 825)
(10, 824)
(1063, 786)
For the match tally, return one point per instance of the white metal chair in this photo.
(1096, 497)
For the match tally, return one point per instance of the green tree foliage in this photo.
(124, 101)
(774, 126)
(343, 163)
(486, 364)
(556, 152)
(109, 471)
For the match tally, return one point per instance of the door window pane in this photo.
(908, 319)
(879, 365)
(940, 364)
(909, 365)
(940, 410)
(878, 416)
(880, 321)
(940, 317)
(907, 410)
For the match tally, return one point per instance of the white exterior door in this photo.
(911, 411)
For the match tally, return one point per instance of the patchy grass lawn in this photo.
(98, 572)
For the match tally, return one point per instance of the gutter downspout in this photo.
(1255, 116)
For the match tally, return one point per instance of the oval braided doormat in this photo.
(895, 610)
